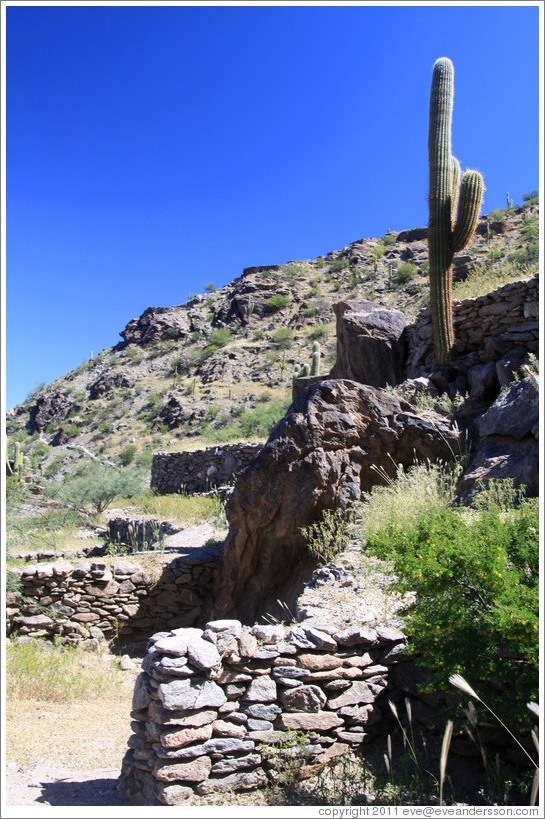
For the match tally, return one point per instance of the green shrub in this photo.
(389, 239)
(319, 331)
(475, 576)
(278, 302)
(259, 421)
(497, 215)
(405, 272)
(218, 338)
(97, 486)
(527, 254)
(338, 265)
(39, 671)
(283, 337)
(135, 356)
(531, 198)
(126, 456)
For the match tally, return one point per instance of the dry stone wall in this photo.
(201, 470)
(219, 709)
(93, 601)
(502, 323)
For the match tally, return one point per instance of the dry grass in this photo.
(83, 734)
(485, 277)
(65, 705)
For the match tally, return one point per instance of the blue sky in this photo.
(151, 150)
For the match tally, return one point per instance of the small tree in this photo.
(98, 486)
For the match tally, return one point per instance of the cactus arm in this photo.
(455, 187)
(471, 197)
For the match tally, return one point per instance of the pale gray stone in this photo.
(262, 689)
(187, 694)
(195, 771)
(269, 634)
(178, 641)
(356, 635)
(229, 765)
(235, 626)
(259, 711)
(202, 654)
(174, 794)
(359, 692)
(247, 780)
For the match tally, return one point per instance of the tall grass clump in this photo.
(393, 505)
(40, 671)
(485, 277)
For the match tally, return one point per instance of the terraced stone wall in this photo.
(201, 470)
(93, 601)
(218, 709)
(502, 323)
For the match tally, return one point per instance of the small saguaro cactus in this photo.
(315, 358)
(18, 462)
(448, 232)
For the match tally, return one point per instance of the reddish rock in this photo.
(185, 736)
(324, 453)
(321, 721)
(195, 771)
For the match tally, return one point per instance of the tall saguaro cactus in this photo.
(448, 232)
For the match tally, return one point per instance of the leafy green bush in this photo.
(497, 215)
(529, 253)
(405, 272)
(319, 331)
(388, 239)
(135, 356)
(126, 456)
(97, 486)
(531, 198)
(259, 421)
(338, 265)
(475, 575)
(283, 337)
(278, 302)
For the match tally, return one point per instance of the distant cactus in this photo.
(18, 462)
(447, 233)
(315, 358)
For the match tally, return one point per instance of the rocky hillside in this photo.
(219, 367)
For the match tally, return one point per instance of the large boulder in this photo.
(508, 443)
(323, 454)
(370, 343)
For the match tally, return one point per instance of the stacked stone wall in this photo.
(94, 601)
(488, 328)
(218, 709)
(201, 470)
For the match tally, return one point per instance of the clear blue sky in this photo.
(154, 149)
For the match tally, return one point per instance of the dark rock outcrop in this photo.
(157, 324)
(109, 382)
(49, 407)
(324, 453)
(370, 343)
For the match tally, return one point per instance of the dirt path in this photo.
(52, 784)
